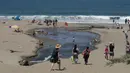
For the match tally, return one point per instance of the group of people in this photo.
(49, 22)
(109, 51)
(55, 57)
(46, 21)
(75, 53)
(127, 42)
(127, 21)
(127, 47)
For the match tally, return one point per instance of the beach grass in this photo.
(122, 59)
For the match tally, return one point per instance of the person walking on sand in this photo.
(75, 53)
(55, 57)
(127, 47)
(106, 52)
(129, 27)
(111, 49)
(126, 35)
(86, 54)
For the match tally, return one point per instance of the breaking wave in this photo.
(73, 18)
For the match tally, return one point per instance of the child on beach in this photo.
(106, 52)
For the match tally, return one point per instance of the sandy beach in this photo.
(25, 45)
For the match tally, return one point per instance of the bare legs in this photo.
(111, 57)
(59, 65)
(106, 57)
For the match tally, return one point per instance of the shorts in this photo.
(106, 54)
(111, 53)
(54, 60)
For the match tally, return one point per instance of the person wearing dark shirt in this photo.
(55, 57)
(53, 22)
(113, 21)
(34, 34)
(126, 21)
(86, 54)
(111, 49)
(56, 21)
(75, 53)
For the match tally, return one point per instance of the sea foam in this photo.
(72, 18)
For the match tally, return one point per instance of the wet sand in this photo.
(26, 44)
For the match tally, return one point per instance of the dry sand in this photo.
(26, 44)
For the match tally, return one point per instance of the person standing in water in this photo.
(34, 33)
(75, 53)
(86, 54)
(73, 39)
(55, 57)
(53, 22)
(126, 21)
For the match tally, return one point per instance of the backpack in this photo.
(85, 52)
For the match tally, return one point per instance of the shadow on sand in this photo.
(64, 68)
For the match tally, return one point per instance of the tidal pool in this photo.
(67, 38)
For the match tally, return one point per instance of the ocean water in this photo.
(91, 11)
(65, 7)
